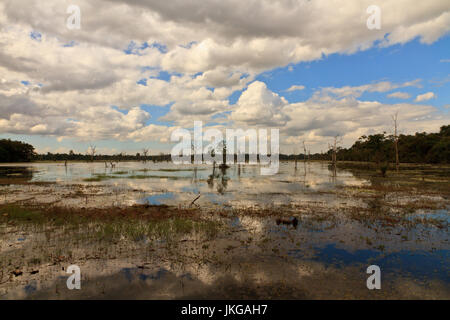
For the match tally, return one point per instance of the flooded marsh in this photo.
(161, 231)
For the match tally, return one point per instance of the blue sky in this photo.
(399, 63)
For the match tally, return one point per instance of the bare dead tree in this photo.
(145, 152)
(334, 147)
(304, 151)
(92, 150)
(394, 120)
(295, 158)
(224, 153)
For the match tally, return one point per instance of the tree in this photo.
(224, 152)
(334, 149)
(304, 151)
(16, 151)
(295, 157)
(397, 162)
(145, 152)
(91, 151)
(440, 152)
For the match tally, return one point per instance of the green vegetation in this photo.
(101, 177)
(418, 148)
(183, 169)
(161, 229)
(21, 214)
(37, 216)
(15, 151)
(112, 227)
(379, 148)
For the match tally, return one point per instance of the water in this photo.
(421, 264)
(326, 243)
(167, 183)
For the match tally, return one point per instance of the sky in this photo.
(136, 70)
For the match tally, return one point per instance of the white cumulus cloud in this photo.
(425, 96)
(295, 88)
(399, 95)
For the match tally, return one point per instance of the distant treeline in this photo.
(16, 151)
(419, 148)
(71, 156)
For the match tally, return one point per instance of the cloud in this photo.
(295, 88)
(425, 96)
(357, 91)
(320, 118)
(445, 60)
(244, 35)
(399, 95)
(259, 106)
(83, 83)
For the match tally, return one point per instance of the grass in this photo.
(136, 224)
(34, 261)
(183, 169)
(21, 214)
(154, 176)
(428, 179)
(98, 177)
(38, 216)
(121, 172)
(120, 175)
(169, 230)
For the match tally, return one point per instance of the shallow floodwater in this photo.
(339, 234)
(167, 183)
(239, 263)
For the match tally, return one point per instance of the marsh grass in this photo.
(169, 230)
(98, 177)
(111, 227)
(21, 214)
(182, 169)
(39, 219)
(121, 172)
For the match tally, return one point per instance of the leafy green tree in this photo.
(15, 151)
